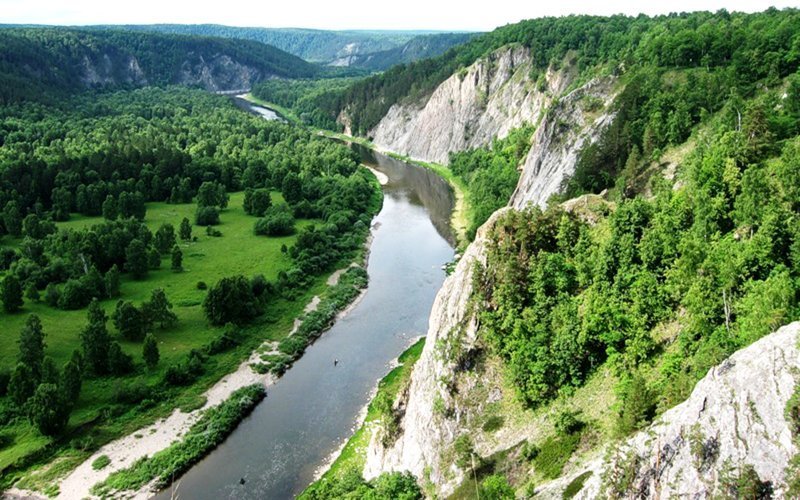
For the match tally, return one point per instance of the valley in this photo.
(592, 220)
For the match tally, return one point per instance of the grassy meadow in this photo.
(99, 416)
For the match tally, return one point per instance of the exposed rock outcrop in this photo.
(425, 430)
(487, 100)
(735, 417)
(576, 120)
(219, 72)
(431, 420)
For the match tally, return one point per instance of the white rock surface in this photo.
(425, 433)
(431, 132)
(559, 140)
(469, 109)
(738, 407)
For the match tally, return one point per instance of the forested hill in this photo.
(35, 62)
(372, 50)
(750, 46)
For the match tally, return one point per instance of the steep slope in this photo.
(434, 415)
(612, 297)
(469, 109)
(735, 419)
(419, 47)
(36, 60)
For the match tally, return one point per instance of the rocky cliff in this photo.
(217, 72)
(444, 397)
(735, 420)
(486, 100)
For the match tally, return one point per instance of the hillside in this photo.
(371, 50)
(648, 240)
(38, 61)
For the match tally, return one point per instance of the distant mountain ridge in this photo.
(36, 61)
(374, 50)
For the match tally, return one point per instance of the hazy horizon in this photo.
(356, 15)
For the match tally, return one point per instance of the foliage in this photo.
(11, 294)
(231, 300)
(101, 462)
(129, 321)
(277, 221)
(554, 453)
(48, 409)
(150, 351)
(351, 485)
(159, 59)
(491, 173)
(751, 46)
(31, 346)
(496, 487)
(95, 340)
(212, 428)
(563, 296)
(158, 310)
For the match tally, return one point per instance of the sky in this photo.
(453, 15)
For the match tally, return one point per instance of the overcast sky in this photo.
(345, 14)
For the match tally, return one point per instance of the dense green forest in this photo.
(751, 46)
(95, 193)
(718, 255)
(46, 63)
(304, 97)
(491, 174)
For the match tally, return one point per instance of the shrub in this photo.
(567, 422)
(201, 285)
(496, 487)
(554, 454)
(206, 216)
(278, 221)
(207, 433)
(493, 423)
(101, 462)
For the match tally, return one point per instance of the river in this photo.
(313, 409)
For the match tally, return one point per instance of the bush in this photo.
(206, 216)
(637, 407)
(278, 221)
(496, 487)
(186, 371)
(201, 285)
(134, 393)
(207, 433)
(101, 462)
(222, 342)
(567, 422)
(5, 376)
(493, 423)
(554, 454)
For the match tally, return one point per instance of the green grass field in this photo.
(208, 259)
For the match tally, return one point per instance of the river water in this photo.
(313, 408)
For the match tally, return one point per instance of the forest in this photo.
(51, 63)
(751, 46)
(718, 254)
(144, 234)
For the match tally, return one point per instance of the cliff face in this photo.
(443, 398)
(469, 109)
(218, 72)
(735, 417)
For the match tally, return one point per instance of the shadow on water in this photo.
(314, 407)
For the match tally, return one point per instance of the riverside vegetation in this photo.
(97, 192)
